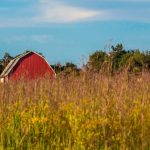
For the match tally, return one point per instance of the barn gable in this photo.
(13, 64)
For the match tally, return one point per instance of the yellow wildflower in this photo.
(39, 120)
(43, 120)
(34, 120)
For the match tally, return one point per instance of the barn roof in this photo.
(13, 62)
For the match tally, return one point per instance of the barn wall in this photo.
(31, 66)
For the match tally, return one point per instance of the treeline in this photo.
(118, 59)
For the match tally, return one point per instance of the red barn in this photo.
(29, 65)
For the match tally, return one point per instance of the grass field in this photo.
(86, 112)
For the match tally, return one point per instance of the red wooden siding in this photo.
(31, 66)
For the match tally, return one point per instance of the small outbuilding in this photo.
(29, 65)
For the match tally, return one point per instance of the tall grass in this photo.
(86, 112)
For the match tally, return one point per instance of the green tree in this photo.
(66, 69)
(1, 67)
(58, 67)
(118, 59)
(70, 67)
(137, 61)
(4, 61)
(117, 55)
(96, 60)
(133, 60)
(147, 60)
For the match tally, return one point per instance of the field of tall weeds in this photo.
(84, 112)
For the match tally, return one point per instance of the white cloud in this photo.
(50, 11)
(58, 12)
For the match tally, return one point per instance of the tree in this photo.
(70, 67)
(137, 61)
(133, 60)
(5, 61)
(1, 67)
(96, 60)
(147, 60)
(66, 69)
(118, 53)
(118, 59)
(58, 67)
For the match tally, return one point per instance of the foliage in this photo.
(4, 61)
(137, 61)
(66, 69)
(1, 67)
(147, 59)
(119, 58)
(117, 55)
(86, 112)
(96, 60)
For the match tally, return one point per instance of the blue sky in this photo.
(70, 30)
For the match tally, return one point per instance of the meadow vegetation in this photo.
(90, 111)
